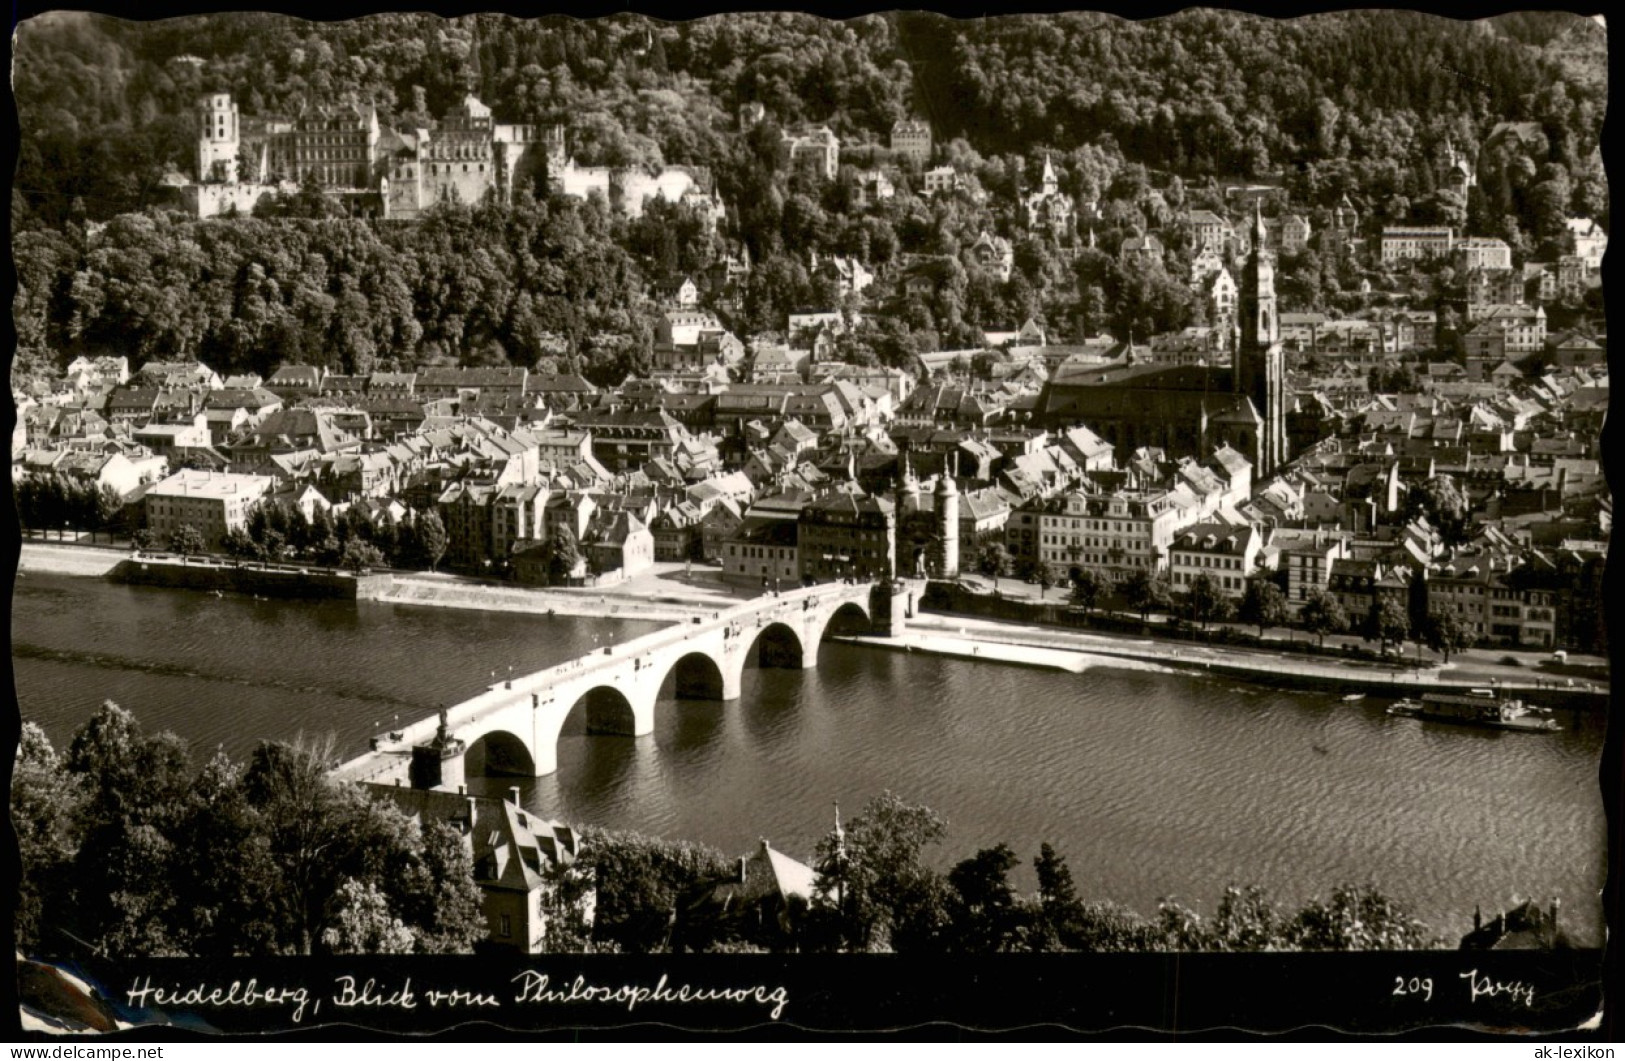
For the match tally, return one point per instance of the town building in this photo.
(994, 254)
(763, 904)
(764, 549)
(215, 503)
(219, 137)
(815, 151)
(1308, 559)
(466, 157)
(1477, 252)
(1049, 210)
(519, 859)
(1413, 243)
(1290, 233)
(1590, 241)
(911, 138)
(938, 180)
(930, 526)
(1112, 534)
(1210, 232)
(1226, 553)
(628, 190)
(1456, 172)
(625, 546)
(848, 535)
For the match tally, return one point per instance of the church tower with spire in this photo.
(1260, 365)
(1050, 183)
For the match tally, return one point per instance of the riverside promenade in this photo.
(669, 593)
(82, 561)
(992, 651)
(431, 592)
(1274, 668)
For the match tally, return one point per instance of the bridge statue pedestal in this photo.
(438, 763)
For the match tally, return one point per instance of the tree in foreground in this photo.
(640, 883)
(128, 851)
(1263, 605)
(986, 914)
(870, 873)
(187, 540)
(1086, 589)
(1358, 917)
(993, 561)
(1446, 634)
(1322, 614)
(360, 555)
(431, 538)
(1247, 919)
(45, 810)
(1204, 599)
(1144, 591)
(1062, 921)
(563, 557)
(363, 923)
(1387, 622)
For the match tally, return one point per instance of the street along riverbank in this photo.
(632, 600)
(1269, 668)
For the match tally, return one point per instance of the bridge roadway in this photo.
(517, 722)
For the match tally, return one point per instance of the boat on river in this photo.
(1480, 707)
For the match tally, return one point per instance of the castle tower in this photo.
(1260, 364)
(218, 142)
(1051, 184)
(947, 506)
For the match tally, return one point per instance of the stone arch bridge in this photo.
(518, 721)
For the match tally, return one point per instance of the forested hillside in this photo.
(1143, 118)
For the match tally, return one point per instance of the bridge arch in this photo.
(697, 676)
(607, 710)
(851, 618)
(779, 645)
(499, 753)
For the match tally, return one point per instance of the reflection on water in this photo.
(1152, 784)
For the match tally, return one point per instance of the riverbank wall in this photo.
(947, 599)
(228, 578)
(1325, 674)
(78, 561)
(434, 593)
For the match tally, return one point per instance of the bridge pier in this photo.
(544, 757)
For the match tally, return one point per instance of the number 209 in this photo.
(1416, 985)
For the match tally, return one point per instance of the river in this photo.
(1152, 784)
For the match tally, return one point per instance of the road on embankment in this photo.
(1275, 668)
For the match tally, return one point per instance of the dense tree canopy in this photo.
(128, 850)
(1130, 115)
